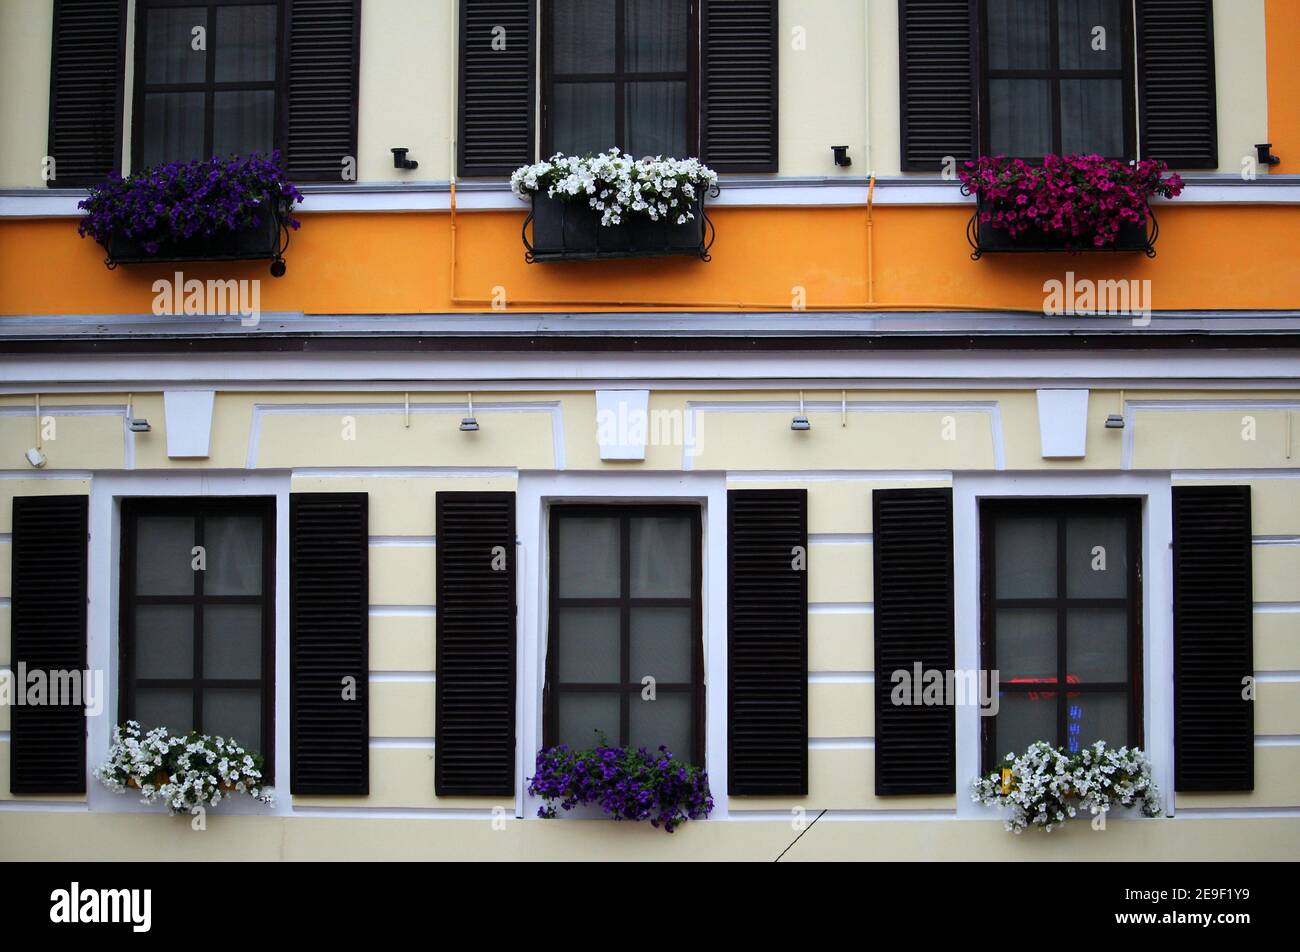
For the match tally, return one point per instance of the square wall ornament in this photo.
(189, 422)
(1063, 423)
(621, 422)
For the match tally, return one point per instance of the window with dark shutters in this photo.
(497, 57)
(1176, 88)
(47, 748)
(767, 642)
(474, 736)
(86, 76)
(937, 83)
(912, 543)
(329, 606)
(1214, 725)
(739, 54)
(322, 88)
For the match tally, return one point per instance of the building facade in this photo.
(495, 488)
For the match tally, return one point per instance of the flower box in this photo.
(263, 241)
(985, 238)
(571, 230)
(1072, 203)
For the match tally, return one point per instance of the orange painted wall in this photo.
(1210, 257)
(1282, 18)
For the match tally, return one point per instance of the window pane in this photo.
(172, 708)
(1096, 644)
(589, 645)
(234, 712)
(582, 118)
(1090, 573)
(1026, 643)
(661, 556)
(589, 557)
(1023, 719)
(234, 555)
(1092, 116)
(662, 644)
(656, 119)
(657, 32)
(1092, 34)
(583, 35)
(163, 555)
(1094, 717)
(173, 128)
(243, 122)
(164, 641)
(169, 46)
(1019, 34)
(232, 641)
(1026, 558)
(1020, 121)
(245, 46)
(584, 717)
(665, 720)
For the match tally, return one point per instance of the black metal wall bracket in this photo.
(400, 161)
(1264, 152)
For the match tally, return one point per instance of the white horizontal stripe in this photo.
(841, 743)
(1278, 740)
(402, 611)
(735, 193)
(412, 472)
(42, 806)
(402, 743)
(1277, 677)
(840, 608)
(839, 538)
(1194, 475)
(835, 475)
(377, 540)
(44, 474)
(841, 677)
(811, 812)
(1233, 813)
(402, 813)
(1277, 540)
(1276, 608)
(401, 677)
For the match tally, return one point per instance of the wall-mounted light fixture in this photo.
(1116, 420)
(133, 423)
(1264, 153)
(400, 161)
(841, 153)
(469, 424)
(801, 422)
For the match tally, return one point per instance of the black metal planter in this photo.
(268, 241)
(571, 231)
(984, 239)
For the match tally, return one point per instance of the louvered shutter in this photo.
(1214, 726)
(329, 607)
(474, 739)
(739, 85)
(322, 86)
(937, 83)
(497, 56)
(913, 624)
(1176, 88)
(87, 70)
(767, 642)
(47, 750)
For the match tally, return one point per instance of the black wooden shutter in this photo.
(47, 751)
(1176, 90)
(498, 42)
(329, 643)
(1214, 726)
(767, 642)
(87, 72)
(321, 73)
(474, 739)
(739, 85)
(915, 750)
(938, 105)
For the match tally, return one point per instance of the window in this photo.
(620, 73)
(1061, 605)
(208, 79)
(625, 606)
(197, 616)
(1057, 77)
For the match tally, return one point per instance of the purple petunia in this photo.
(184, 199)
(627, 783)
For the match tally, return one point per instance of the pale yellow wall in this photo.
(1215, 439)
(408, 76)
